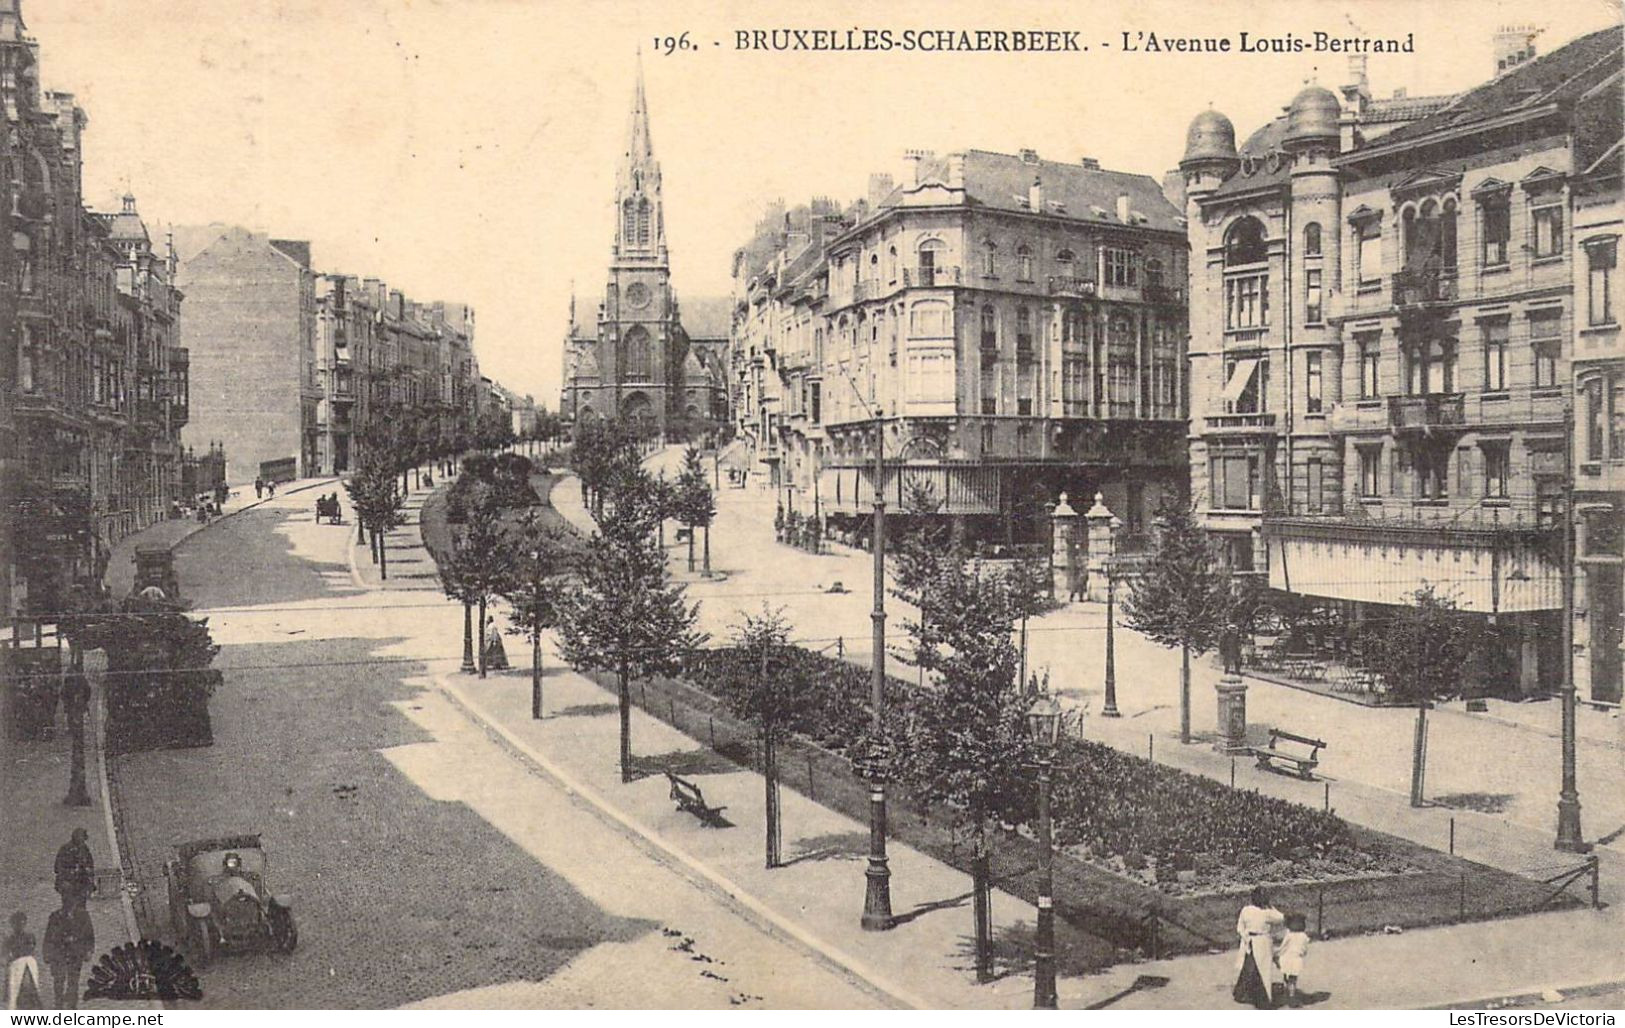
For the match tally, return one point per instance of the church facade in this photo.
(636, 360)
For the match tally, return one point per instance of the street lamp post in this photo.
(1569, 835)
(1044, 724)
(877, 915)
(1110, 708)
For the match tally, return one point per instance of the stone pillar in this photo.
(1064, 527)
(1102, 545)
(1528, 656)
(1232, 715)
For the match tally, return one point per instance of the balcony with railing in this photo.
(1241, 422)
(1158, 292)
(1426, 413)
(1071, 286)
(1418, 287)
(928, 276)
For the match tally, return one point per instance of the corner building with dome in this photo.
(1387, 296)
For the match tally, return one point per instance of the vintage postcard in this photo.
(562, 505)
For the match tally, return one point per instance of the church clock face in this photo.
(637, 295)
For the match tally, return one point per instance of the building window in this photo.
(1312, 382)
(929, 319)
(1600, 258)
(1063, 262)
(1244, 243)
(1548, 231)
(891, 264)
(1121, 267)
(1496, 214)
(1316, 499)
(1247, 301)
(1312, 297)
(1311, 239)
(1370, 365)
(1497, 465)
(989, 259)
(1548, 348)
(1234, 479)
(1495, 356)
(990, 332)
(1430, 237)
(1024, 333)
(1368, 253)
(1605, 417)
(1024, 263)
(643, 222)
(1432, 466)
(1431, 367)
(1246, 381)
(1370, 468)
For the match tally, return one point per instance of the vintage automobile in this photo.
(219, 900)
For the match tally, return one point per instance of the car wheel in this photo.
(283, 931)
(202, 942)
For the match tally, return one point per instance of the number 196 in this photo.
(671, 44)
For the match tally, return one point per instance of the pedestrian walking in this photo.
(1292, 955)
(259, 488)
(75, 867)
(1257, 926)
(70, 939)
(496, 655)
(22, 970)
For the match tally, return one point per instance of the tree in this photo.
(1181, 599)
(965, 741)
(696, 505)
(1028, 580)
(379, 505)
(763, 694)
(623, 615)
(542, 555)
(479, 567)
(1420, 651)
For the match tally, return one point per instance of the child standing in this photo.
(1294, 950)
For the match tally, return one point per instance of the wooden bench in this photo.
(690, 798)
(1302, 766)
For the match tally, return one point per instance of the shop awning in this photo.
(1241, 376)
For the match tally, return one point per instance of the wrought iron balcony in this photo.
(1156, 292)
(1414, 287)
(1068, 286)
(928, 276)
(1424, 413)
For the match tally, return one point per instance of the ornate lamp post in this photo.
(1044, 724)
(877, 916)
(1110, 709)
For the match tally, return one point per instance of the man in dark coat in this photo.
(70, 939)
(75, 867)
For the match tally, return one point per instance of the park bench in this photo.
(1302, 766)
(689, 798)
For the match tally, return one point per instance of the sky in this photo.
(465, 150)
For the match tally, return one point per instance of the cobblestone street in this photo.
(327, 742)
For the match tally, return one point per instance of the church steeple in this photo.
(640, 224)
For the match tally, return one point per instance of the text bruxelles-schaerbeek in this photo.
(1066, 41)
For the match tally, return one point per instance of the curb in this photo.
(695, 871)
(1533, 992)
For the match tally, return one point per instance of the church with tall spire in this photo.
(643, 358)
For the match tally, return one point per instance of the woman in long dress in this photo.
(1257, 927)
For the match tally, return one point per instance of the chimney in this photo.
(1089, 163)
(1514, 45)
(881, 186)
(1029, 156)
(1123, 208)
(917, 158)
(1399, 94)
(1035, 196)
(1357, 73)
(956, 171)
